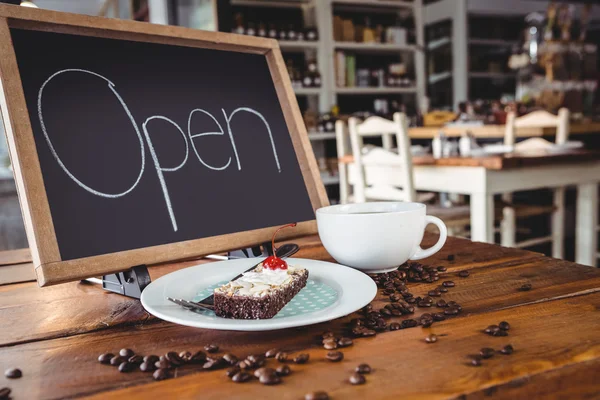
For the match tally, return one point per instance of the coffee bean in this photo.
(271, 353)
(426, 322)
(316, 396)
(345, 342)
(185, 356)
(434, 293)
(442, 289)
(491, 329)
(500, 332)
(424, 304)
(162, 364)
(151, 359)
(452, 304)
(441, 269)
(441, 303)
(508, 349)
(363, 369)
(126, 367)
(198, 357)
(13, 373)
(394, 326)
(136, 359)
(487, 352)
(301, 358)
(504, 325)
(241, 377)
(174, 358)
(451, 311)
(257, 359)
(283, 370)
(211, 348)
(329, 334)
(331, 345)
(335, 356)
(147, 367)
(526, 287)
(269, 379)
(126, 353)
(411, 300)
(463, 274)
(448, 284)
(230, 359)
(450, 257)
(263, 370)
(117, 360)
(282, 356)
(4, 393)
(432, 338)
(161, 374)
(105, 358)
(214, 363)
(439, 317)
(408, 323)
(397, 313)
(232, 371)
(357, 379)
(475, 362)
(385, 312)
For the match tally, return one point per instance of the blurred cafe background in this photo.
(388, 89)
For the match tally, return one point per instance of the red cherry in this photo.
(273, 262)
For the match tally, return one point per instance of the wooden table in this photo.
(483, 177)
(56, 333)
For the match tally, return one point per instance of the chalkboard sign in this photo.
(135, 144)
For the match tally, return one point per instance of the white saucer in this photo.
(345, 290)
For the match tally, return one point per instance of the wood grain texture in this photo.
(50, 268)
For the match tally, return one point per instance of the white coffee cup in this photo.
(377, 237)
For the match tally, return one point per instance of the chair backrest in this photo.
(377, 126)
(538, 119)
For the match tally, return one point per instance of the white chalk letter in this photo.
(221, 133)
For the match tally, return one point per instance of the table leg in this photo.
(482, 217)
(586, 239)
(558, 223)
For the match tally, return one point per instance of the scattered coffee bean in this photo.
(508, 349)
(500, 332)
(151, 359)
(441, 269)
(432, 338)
(504, 325)
(385, 312)
(230, 359)
(282, 356)
(214, 363)
(257, 359)
(147, 367)
(241, 377)
(408, 323)
(4, 393)
(301, 358)
(263, 370)
(126, 367)
(244, 364)
(442, 289)
(330, 345)
(475, 362)
(426, 322)
(395, 297)
(186, 356)
(136, 359)
(283, 370)
(363, 369)
(174, 358)
(126, 353)
(161, 374)
(271, 353)
(423, 304)
(335, 356)
(13, 373)
(448, 284)
(328, 334)
(117, 360)
(269, 379)
(434, 293)
(316, 396)
(345, 342)
(105, 358)
(463, 274)
(487, 352)
(439, 317)
(211, 348)
(232, 371)
(198, 357)
(451, 311)
(441, 303)
(526, 287)
(162, 364)
(357, 379)
(491, 329)
(394, 326)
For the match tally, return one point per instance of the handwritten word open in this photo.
(189, 138)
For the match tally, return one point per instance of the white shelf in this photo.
(437, 43)
(298, 44)
(492, 42)
(373, 47)
(435, 78)
(375, 90)
(329, 179)
(274, 4)
(308, 91)
(493, 75)
(321, 135)
(376, 3)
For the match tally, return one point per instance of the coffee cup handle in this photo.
(420, 253)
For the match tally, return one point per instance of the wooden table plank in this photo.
(75, 308)
(19, 256)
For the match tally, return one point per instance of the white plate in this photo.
(354, 290)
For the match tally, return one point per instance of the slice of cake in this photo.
(261, 293)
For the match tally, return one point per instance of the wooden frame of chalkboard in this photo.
(50, 268)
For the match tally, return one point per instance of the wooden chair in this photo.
(384, 174)
(510, 211)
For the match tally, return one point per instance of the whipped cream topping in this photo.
(259, 281)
